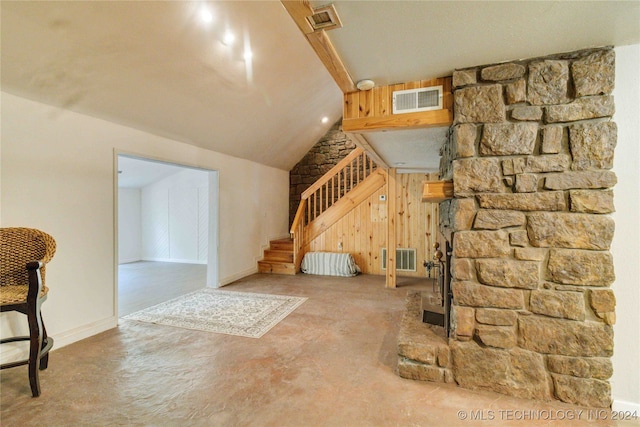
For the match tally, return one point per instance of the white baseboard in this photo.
(85, 331)
(19, 351)
(129, 260)
(230, 279)
(181, 261)
(624, 406)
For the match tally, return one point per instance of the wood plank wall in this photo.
(363, 231)
(378, 102)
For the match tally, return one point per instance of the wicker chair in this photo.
(24, 252)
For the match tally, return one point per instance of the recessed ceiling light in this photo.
(206, 15)
(325, 119)
(400, 163)
(228, 38)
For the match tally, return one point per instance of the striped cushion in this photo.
(329, 264)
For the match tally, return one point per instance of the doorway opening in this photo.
(167, 231)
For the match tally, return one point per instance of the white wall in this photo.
(129, 225)
(175, 218)
(57, 174)
(626, 241)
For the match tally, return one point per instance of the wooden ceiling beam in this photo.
(319, 41)
(299, 11)
(419, 120)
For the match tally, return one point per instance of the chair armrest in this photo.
(35, 280)
(34, 265)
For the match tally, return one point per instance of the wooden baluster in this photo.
(357, 170)
(315, 206)
(326, 196)
(351, 176)
(333, 190)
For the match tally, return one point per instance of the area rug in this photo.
(245, 314)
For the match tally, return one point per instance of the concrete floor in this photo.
(329, 363)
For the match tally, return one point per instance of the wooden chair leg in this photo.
(44, 360)
(35, 346)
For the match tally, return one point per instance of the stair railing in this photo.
(326, 191)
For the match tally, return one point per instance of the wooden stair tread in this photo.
(278, 258)
(278, 255)
(276, 267)
(281, 245)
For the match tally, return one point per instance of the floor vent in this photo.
(405, 259)
(414, 100)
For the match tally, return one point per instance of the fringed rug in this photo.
(225, 312)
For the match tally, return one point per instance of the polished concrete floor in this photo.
(330, 363)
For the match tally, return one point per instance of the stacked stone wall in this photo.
(334, 146)
(530, 156)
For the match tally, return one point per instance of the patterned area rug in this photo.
(226, 312)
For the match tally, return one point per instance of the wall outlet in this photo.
(339, 246)
(382, 197)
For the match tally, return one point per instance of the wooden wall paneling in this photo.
(365, 105)
(421, 119)
(381, 106)
(368, 241)
(391, 278)
(363, 232)
(447, 98)
(358, 225)
(383, 233)
(413, 85)
(351, 105)
(375, 108)
(365, 225)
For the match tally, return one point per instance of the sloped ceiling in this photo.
(157, 66)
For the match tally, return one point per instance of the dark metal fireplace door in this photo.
(436, 305)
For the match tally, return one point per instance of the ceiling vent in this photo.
(414, 100)
(324, 18)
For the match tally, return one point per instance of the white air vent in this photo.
(405, 259)
(413, 100)
(324, 18)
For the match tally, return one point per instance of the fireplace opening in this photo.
(436, 303)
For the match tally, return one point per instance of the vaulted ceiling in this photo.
(166, 68)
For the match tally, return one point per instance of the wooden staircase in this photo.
(278, 259)
(336, 193)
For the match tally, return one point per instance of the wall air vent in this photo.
(324, 18)
(414, 100)
(405, 259)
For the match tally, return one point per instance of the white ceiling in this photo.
(410, 150)
(158, 67)
(399, 41)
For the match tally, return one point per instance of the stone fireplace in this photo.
(530, 155)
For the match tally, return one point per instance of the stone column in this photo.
(530, 156)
